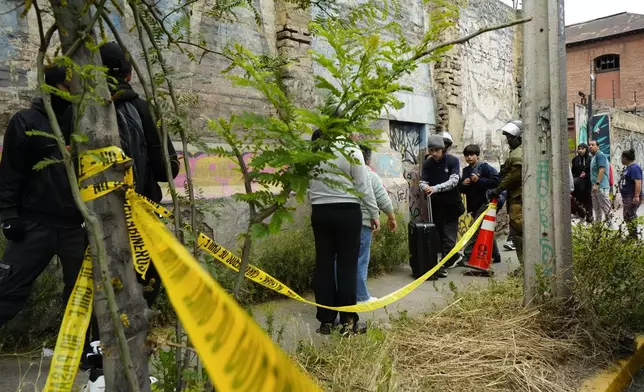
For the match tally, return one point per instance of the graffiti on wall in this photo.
(405, 138)
(212, 175)
(601, 132)
(623, 140)
(416, 208)
(581, 124)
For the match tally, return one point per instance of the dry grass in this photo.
(484, 341)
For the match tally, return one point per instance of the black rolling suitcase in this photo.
(423, 244)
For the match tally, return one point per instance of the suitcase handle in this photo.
(430, 215)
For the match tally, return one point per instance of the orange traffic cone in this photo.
(481, 258)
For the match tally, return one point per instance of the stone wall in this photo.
(626, 132)
(475, 88)
(478, 84)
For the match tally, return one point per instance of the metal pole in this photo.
(635, 99)
(589, 128)
(546, 192)
(613, 94)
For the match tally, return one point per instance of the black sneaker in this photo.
(456, 261)
(442, 273)
(325, 329)
(509, 245)
(353, 328)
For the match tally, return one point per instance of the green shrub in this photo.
(290, 257)
(38, 322)
(609, 277)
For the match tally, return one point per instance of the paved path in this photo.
(298, 318)
(638, 383)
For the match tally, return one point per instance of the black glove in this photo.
(14, 229)
(492, 194)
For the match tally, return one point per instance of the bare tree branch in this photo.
(176, 42)
(468, 37)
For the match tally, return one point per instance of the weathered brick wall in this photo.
(216, 94)
(478, 84)
(631, 51)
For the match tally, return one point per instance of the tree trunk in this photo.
(99, 124)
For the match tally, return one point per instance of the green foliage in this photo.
(290, 257)
(39, 320)
(608, 277)
(368, 57)
(164, 368)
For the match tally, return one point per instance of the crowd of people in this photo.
(592, 199)
(342, 233)
(40, 221)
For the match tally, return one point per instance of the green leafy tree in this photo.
(369, 55)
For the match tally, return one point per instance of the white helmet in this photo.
(447, 138)
(513, 128)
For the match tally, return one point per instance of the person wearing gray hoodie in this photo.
(336, 219)
(384, 204)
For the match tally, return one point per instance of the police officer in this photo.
(511, 182)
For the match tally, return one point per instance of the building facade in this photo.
(471, 92)
(611, 48)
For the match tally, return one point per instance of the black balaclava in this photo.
(514, 142)
(116, 61)
(582, 158)
(54, 76)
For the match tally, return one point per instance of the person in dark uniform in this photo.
(39, 217)
(441, 175)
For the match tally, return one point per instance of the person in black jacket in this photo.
(119, 75)
(478, 177)
(581, 179)
(38, 214)
(440, 178)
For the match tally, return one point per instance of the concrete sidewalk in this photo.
(23, 374)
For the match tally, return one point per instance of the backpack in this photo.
(133, 142)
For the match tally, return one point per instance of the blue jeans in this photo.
(362, 293)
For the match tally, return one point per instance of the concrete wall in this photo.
(476, 88)
(627, 131)
(478, 84)
(489, 75)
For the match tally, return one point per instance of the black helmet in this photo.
(115, 60)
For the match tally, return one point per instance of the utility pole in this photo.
(589, 128)
(546, 182)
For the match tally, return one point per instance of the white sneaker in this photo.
(371, 299)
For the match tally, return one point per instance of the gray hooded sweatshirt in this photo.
(322, 193)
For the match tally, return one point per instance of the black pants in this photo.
(447, 228)
(24, 261)
(583, 207)
(336, 228)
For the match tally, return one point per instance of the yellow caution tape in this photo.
(235, 351)
(140, 253)
(230, 260)
(258, 276)
(71, 338)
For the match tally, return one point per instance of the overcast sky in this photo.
(584, 10)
